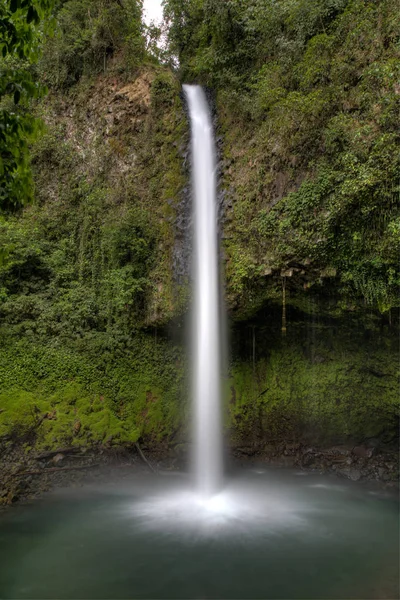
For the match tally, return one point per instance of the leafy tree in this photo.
(89, 33)
(21, 29)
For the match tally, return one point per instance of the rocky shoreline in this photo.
(356, 462)
(27, 476)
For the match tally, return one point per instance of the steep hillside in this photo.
(88, 267)
(90, 264)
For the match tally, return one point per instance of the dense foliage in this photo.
(77, 38)
(88, 34)
(94, 252)
(20, 38)
(322, 382)
(311, 91)
(80, 258)
(87, 265)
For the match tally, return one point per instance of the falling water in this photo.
(206, 344)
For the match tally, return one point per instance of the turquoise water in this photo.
(269, 534)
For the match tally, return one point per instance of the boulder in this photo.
(58, 458)
(363, 451)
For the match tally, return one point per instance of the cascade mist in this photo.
(206, 337)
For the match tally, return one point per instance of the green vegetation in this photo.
(87, 267)
(20, 38)
(307, 98)
(316, 386)
(101, 390)
(88, 35)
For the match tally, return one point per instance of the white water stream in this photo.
(206, 342)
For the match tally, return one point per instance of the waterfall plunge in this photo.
(206, 342)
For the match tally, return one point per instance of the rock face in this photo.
(127, 140)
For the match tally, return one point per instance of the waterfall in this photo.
(206, 342)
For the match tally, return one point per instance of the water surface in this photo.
(269, 534)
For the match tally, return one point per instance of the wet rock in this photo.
(308, 460)
(23, 485)
(181, 455)
(354, 475)
(182, 449)
(391, 466)
(288, 461)
(367, 473)
(58, 458)
(12, 497)
(339, 450)
(269, 450)
(247, 450)
(363, 451)
(343, 472)
(309, 450)
(291, 449)
(373, 443)
(339, 460)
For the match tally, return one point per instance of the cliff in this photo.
(94, 279)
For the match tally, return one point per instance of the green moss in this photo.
(88, 398)
(326, 392)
